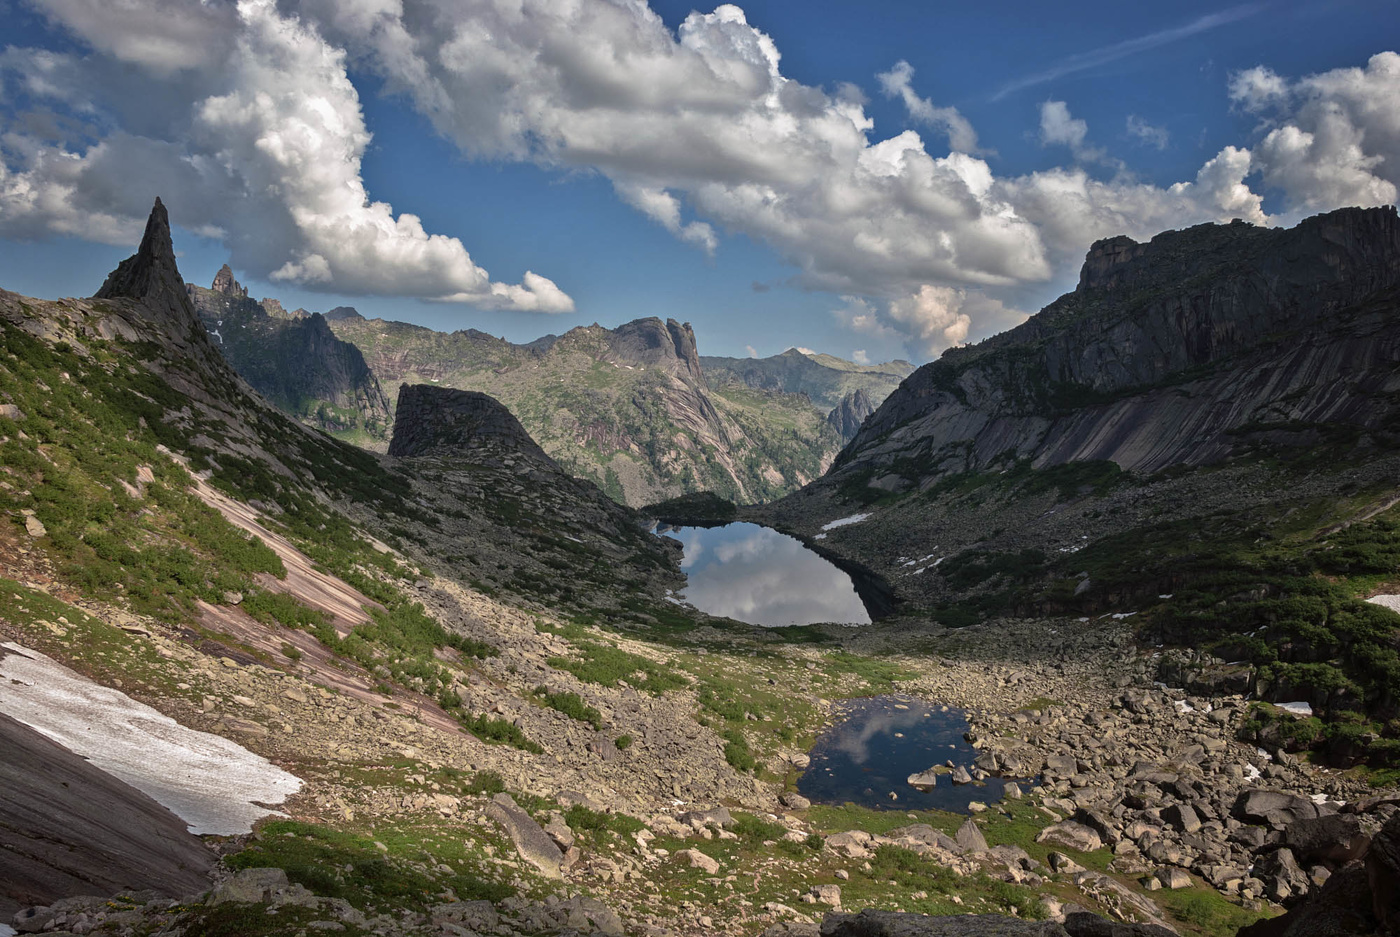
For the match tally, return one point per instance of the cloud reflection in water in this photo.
(757, 575)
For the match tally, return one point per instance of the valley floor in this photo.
(665, 787)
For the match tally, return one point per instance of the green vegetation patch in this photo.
(571, 705)
(338, 864)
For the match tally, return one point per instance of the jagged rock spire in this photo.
(226, 284)
(151, 277)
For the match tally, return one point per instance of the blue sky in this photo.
(603, 184)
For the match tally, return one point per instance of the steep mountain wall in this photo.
(1199, 345)
(295, 361)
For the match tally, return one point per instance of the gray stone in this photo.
(970, 838)
(532, 842)
(794, 801)
(1334, 839)
(1072, 834)
(249, 887)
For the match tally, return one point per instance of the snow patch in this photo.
(845, 521)
(209, 782)
(1184, 706)
(819, 537)
(1299, 708)
(1391, 602)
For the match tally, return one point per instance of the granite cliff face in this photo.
(1197, 346)
(295, 361)
(847, 416)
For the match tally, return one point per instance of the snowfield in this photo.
(214, 785)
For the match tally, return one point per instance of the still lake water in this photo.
(756, 575)
(876, 746)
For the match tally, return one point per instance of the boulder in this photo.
(1084, 924)
(794, 801)
(1335, 839)
(1383, 874)
(249, 886)
(827, 894)
(1281, 875)
(923, 780)
(531, 841)
(1182, 818)
(698, 860)
(970, 837)
(1278, 809)
(923, 833)
(1071, 834)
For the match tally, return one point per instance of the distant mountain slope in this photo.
(826, 379)
(105, 395)
(629, 408)
(1207, 430)
(295, 361)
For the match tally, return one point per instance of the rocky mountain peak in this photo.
(343, 313)
(652, 343)
(152, 277)
(443, 421)
(226, 284)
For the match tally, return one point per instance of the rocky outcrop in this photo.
(294, 360)
(652, 343)
(225, 283)
(151, 277)
(1200, 345)
(342, 313)
(439, 420)
(847, 416)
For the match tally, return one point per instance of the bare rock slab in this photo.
(531, 841)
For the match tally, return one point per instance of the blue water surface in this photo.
(879, 742)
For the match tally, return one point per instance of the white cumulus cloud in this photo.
(264, 150)
(258, 137)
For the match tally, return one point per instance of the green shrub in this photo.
(571, 705)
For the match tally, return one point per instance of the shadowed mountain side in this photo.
(295, 361)
(1199, 345)
(67, 828)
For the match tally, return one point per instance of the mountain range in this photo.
(634, 409)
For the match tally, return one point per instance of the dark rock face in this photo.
(442, 421)
(293, 359)
(67, 828)
(905, 924)
(151, 277)
(341, 313)
(1199, 345)
(847, 416)
(1360, 898)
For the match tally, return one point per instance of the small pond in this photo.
(879, 742)
(759, 576)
